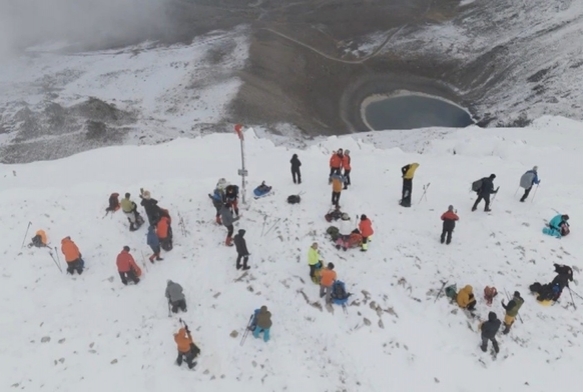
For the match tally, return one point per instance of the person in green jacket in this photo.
(314, 262)
(511, 311)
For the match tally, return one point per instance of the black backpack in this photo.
(294, 199)
(477, 185)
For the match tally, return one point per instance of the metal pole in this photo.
(243, 168)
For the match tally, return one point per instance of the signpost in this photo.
(242, 172)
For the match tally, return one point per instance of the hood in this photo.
(469, 289)
(450, 208)
(242, 232)
(295, 156)
(65, 240)
(492, 316)
(263, 309)
(169, 282)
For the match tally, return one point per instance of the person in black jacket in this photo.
(295, 169)
(151, 207)
(485, 191)
(489, 330)
(242, 252)
(565, 274)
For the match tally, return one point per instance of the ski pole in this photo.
(534, 194)
(272, 226)
(516, 190)
(25, 234)
(572, 300)
(508, 296)
(574, 292)
(57, 253)
(57, 264)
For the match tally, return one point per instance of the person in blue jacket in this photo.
(218, 199)
(527, 180)
(558, 226)
(154, 243)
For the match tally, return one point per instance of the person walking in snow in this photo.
(151, 206)
(336, 163)
(337, 186)
(154, 244)
(365, 228)
(449, 218)
(511, 311)
(242, 252)
(295, 169)
(187, 350)
(489, 330)
(261, 323)
(527, 180)
(314, 262)
(408, 172)
(232, 197)
(72, 256)
(164, 231)
(218, 199)
(130, 209)
(327, 279)
(485, 190)
(228, 220)
(346, 165)
(127, 267)
(175, 296)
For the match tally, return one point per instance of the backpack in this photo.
(333, 232)
(477, 185)
(37, 241)
(294, 199)
(451, 292)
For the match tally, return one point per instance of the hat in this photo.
(492, 176)
(126, 248)
(535, 168)
(127, 195)
(146, 195)
(347, 151)
(362, 217)
(330, 266)
(516, 294)
(450, 208)
(242, 232)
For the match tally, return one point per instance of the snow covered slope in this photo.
(393, 337)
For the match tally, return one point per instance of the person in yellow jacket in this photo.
(315, 263)
(465, 298)
(408, 174)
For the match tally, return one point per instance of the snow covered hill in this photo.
(393, 337)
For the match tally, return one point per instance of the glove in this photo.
(502, 302)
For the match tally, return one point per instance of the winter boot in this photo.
(245, 266)
(496, 348)
(484, 348)
(487, 210)
(229, 241)
(151, 258)
(506, 329)
(218, 220)
(132, 227)
(158, 258)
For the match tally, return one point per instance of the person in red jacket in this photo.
(449, 218)
(347, 168)
(365, 227)
(336, 163)
(127, 267)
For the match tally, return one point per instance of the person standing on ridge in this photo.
(127, 267)
(408, 172)
(449, 218)
(365, 228)
(174, 294)
(527, 180)
(489, 330)
(151, 207)
(154, 244)
(314, 262)
(228, 220)
(337, 185)
(72, 256)
(346, 165)
(511, 311)
(242, 252)
(295, 169)
(485, 188)
(327, 278)
(336, 163)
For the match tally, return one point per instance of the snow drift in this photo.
(91, 333)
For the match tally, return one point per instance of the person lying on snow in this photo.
(352, 240)
(465, 298)
(187, 350)
(39, 240)
(113, 203)
(558, 226)
(547, 292)
(335, 214)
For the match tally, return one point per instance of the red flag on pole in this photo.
(239, 131)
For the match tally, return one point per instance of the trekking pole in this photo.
(144, 261)
(263, 227)
(509, 299)
(424, 194)
(25, 234)
(272, 226)
(516, 190)
(572, 300)
(57, 264)
(534, 194)
(494, 197)
(169, 310)
(57, 253)
(574, 292)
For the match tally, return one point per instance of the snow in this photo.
(104, 336)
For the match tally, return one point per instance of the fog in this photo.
(90, 24)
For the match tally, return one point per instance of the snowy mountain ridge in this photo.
(92, 333)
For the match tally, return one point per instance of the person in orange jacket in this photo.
(336, 162)
(337, 182)
(327, 278)
(449, 218)
(72, 256)
(127, 267)
(164, 233)
(347, 168)
(365, 227)
(187, 350)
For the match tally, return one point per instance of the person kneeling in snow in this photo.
(39, 240)
(261, 323)
(465, 298)
(127, 267)
(72, 256)
(558, 226)
(352, 240)
(489, 330)
(175, 296)
(187, 350)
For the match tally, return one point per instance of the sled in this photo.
(262, 191)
